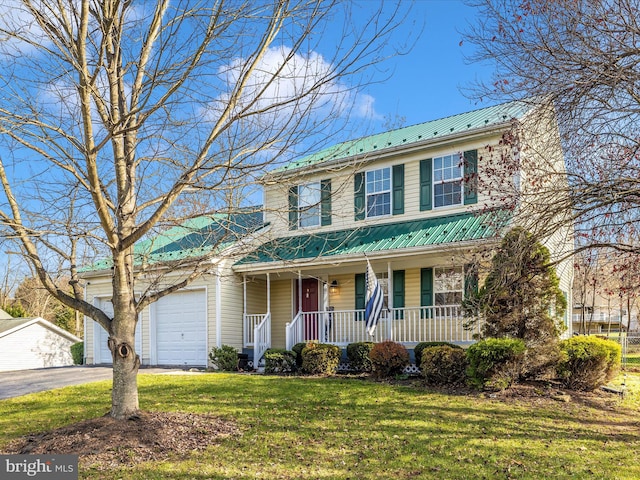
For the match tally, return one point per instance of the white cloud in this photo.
(289, 84)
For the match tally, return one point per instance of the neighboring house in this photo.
(27, 343)
(606, 315)
(406, 201)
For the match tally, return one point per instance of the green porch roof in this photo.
(194, 238)
(375, 238)
(432, 130)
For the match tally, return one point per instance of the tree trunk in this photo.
(124, 394)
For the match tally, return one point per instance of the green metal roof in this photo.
(195, 238)
(435, 129)
(375, 238)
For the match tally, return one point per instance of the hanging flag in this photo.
(374, 300)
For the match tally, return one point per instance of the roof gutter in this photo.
(294, 265)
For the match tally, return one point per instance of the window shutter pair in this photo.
(398, 290)
(325, 205)
(470, 180)
(397, 193)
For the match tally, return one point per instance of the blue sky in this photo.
(425, 84)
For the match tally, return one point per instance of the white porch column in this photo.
(299, 291)
(390, 301)
(268, 293)
(218, 308)
(244, 295)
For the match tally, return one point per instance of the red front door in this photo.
(309, 304)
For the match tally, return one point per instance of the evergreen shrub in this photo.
(588, 362)
(297, 350)
(279, 360)
(77, 353)
(419, 348)
(224, 358)
(495, 363)
(444, 365)
(320, 359)
(358, 356)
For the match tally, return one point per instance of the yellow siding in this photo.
(281, 310)
(277, 194)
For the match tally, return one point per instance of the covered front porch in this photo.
(408, 326)
(312, 287)
(422, 303)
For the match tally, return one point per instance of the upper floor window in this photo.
(310, 204)
(447, 180)
(309, 197)
(378, 188)
(448, 286)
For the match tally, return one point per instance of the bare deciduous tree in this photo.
(582, 58)
(113, 112)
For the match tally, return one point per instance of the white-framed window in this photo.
(378, 188)
(447, 180)
(448, 285)
(309, 197)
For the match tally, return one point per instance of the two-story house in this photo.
(406, 201)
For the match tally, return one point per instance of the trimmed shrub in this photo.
(77, 353)
(224, 358)
(495, 363)
(444, 365)
(320, 359)
(388, 359)
(358, 355)
(588, 362)
(418, 349)
(279, 360)
(297, 350)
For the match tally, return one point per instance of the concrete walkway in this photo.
(22, 382)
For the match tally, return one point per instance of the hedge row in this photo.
(586, 363)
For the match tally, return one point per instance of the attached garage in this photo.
(102, 355)
(178, 329)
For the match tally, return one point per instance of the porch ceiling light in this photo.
(334, 288)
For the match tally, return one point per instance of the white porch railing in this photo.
(405, 325)
(261, 338)
(250, 323)
(294, 331)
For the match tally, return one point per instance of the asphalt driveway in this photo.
(22, 382)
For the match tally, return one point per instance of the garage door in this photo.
(101, 349)
(181, 329)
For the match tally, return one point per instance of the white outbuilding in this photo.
(27, 343)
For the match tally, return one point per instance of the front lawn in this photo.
(337, 428)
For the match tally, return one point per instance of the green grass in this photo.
(336, 428)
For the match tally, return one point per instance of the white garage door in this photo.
(181, 329)
(101, 349)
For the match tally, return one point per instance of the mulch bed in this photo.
(104, 443)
